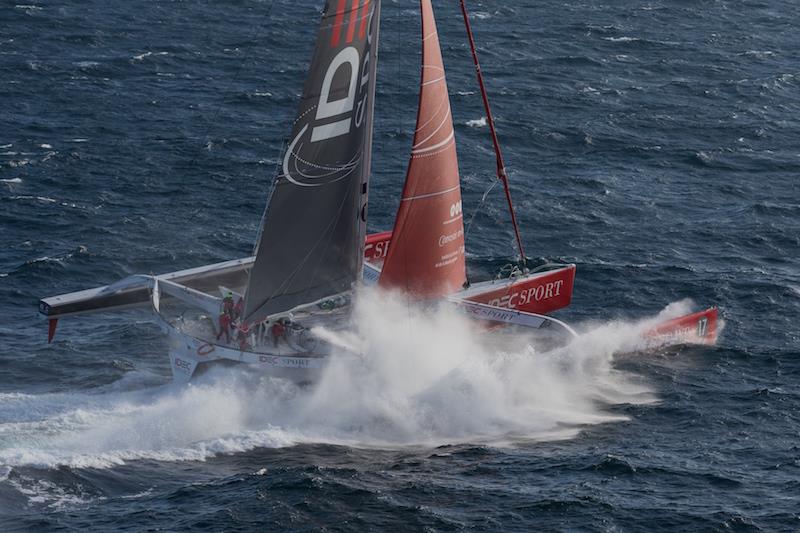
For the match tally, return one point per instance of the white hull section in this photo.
(189, 355)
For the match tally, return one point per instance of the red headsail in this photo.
(426, 256)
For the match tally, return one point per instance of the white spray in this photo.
(426, 377)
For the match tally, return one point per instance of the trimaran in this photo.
(305, 267)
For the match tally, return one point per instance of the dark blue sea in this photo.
(655, 144)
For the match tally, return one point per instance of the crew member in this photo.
(227, 304)
(244, 330)
(224, 326)
(278, 331)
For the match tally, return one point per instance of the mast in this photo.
(501, 166)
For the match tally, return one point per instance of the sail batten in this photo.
(312, 235)
(426, 256)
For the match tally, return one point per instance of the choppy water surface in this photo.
(654, 144)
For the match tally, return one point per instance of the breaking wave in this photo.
(426, 377)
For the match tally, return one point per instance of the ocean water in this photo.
(654, 144)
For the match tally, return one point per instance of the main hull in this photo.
(190, 356)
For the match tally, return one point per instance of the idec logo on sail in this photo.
(344, 92)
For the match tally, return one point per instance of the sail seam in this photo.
(349, 165)
(432, 154)
(438, 193)
(445, 121)
(435, 146)
(432, 81)
(306, 112)
(442, 103)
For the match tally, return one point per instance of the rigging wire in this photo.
(479, 208)
(501, 167)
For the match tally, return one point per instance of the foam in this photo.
(425, 377)
(143, 55)
(43, 199)
(48, 494)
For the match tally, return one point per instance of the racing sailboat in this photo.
(304, 269)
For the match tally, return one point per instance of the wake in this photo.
(426, 377)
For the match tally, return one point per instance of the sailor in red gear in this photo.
(227, 304)
(244, 330)
(278, 331)
(224, 326)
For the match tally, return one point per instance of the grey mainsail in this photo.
(312, 236)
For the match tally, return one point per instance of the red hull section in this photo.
(541, 294)
(376, 247)
(697, 328)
